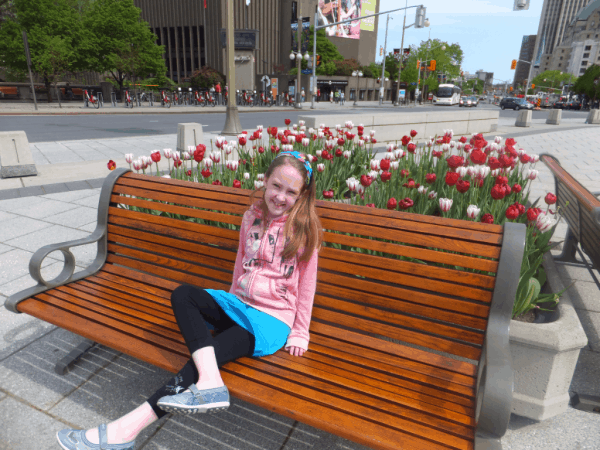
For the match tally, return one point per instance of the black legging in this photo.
(194, 308)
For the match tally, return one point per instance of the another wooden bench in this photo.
(405, 353)
(9, 92)
(582, 215)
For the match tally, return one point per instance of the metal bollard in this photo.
(113, 99)
(151, 98)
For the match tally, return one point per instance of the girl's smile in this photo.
(282, 189)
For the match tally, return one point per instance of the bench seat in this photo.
(407, 350)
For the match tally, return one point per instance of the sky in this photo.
(489, 32)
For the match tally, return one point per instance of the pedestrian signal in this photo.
(513, 64)
(532, 86)
(432, 65)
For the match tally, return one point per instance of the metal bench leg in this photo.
(73, 356)
(569, 248)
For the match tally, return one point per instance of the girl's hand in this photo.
(296, 351)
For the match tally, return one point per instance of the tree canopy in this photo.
(552, 79)
(589, 82)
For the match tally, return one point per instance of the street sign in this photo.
(307, 71)
(266, 80)
(413, 83)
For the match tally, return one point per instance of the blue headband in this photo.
(301, 157)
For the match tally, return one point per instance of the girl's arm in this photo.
(307, 285)
(238, 270)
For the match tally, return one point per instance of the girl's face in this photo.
(282, 189)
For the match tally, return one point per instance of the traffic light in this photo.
(511, 88)
(418, 64)
(318, 60)
(420, 16)
(407, 51)
(532, 86)
(513, 64)
(380, 51)
(432, 65)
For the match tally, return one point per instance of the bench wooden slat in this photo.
(409, 267)
(385, 224)
(328, 375)
(193, 207)
(244, 367)
(377, 377)
(378, 345)
(414, 238)
(391, 276)
(350, 399)
(585, 197)
(400, 366)
(128, 286)
(370, 377)
(141, 281)
(438, 312)
(115, 338)
(403, 320)
(414, 337)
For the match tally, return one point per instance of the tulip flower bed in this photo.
(465, 178)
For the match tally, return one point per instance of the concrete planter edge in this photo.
(545, 355)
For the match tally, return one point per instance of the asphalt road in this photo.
(55, 128)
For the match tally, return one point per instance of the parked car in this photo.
(515, 103)
(574, 104)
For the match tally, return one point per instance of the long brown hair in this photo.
(302, 226)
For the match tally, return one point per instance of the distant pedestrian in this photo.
(302, 94)
(336, 96)
(318, 95)
(342, 98)
(330, 96)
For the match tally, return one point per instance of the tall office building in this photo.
(556, 16)
(526, 54)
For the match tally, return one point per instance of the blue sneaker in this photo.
(196, 401)
(76, 440)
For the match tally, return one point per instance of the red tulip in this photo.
(366, 180)
(494, 163)
(520, 207)
(487, 218)
(373, 141)
(406, 203)
(512, 212)
(498, 192)
(189, 173)
(413, 133)
(243, 140)
(478, 157)
(217, 183)
(533, 213)
(510, 141)
(199, 154)
(455, 161)
(328, 194)
(410, 184)
(517, 188)
(392, 203)
(386, 176)
(436, 154)
(338, 152)
(206, 173)
(237, 184)
(405, 140)
(451, 178)
(111, 165)
(384, 164)
(430, 178)
(288, 121)
(155, 156)
(411, 147)
(340, 141)
(370, 205)
(524, 158)
(463, 140)
(404, 173)
(462, 186)
(550, 198)
(501, 180)
(178, 163)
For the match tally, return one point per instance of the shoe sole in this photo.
(181, 409)
(60, 443)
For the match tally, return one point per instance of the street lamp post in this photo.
(299, 64)
(357, 74)
(381, 88)
(232, 119)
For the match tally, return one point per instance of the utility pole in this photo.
(298, 87)
(314, 71)
(28, 55)
(382, 89)
(397, 103)
(233, 127)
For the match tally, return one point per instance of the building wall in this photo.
(526, 54)
(556, 16)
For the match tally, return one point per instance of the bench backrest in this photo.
(583, 211)
(424, 280)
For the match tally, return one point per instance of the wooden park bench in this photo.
(9, 92)
(409, 340)
(582, 216)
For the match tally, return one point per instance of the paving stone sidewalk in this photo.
(35, 402)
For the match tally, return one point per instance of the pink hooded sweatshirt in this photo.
(262, 278)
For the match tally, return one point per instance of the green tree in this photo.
(552, 79)
(588, 83)
(326, 49)
(207, 78)
(346, 67)
(123, 44)
(48, 23)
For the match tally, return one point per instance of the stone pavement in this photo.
(35, 402)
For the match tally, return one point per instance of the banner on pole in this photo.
(368, 7)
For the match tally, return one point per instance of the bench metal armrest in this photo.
(67, 275)
(495, 375)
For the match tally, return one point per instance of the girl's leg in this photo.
(230, 344)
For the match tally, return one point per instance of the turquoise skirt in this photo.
(270, 334)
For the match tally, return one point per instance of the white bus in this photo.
(447, 94)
